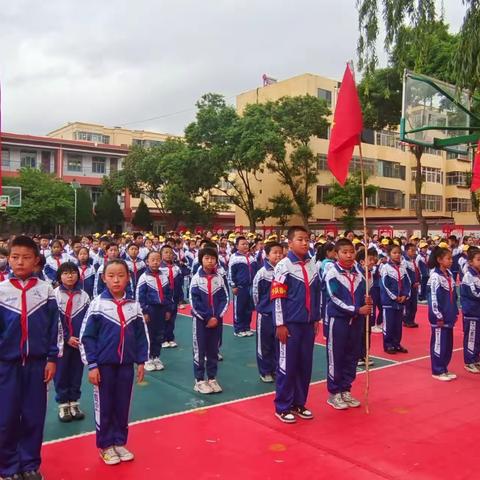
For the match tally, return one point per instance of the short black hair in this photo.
(343, 242)
(237, 240)
(371, 252)
(110, 245)
(472, 252)
(392, 247)
(27, 242)
(270, 245)
(164, 247)
(410, 245)
(435, 255)
(4, 252)
(322, 251)
(296, 228)
(152, 252)
(65, 268)
(116, 261)
(207, 251)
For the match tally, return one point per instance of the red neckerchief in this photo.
(123, 323)
(171, 278)
(82, 272)
(3, 276)
(417, 271)
(307, 285)
(399, 277)
(210, 277)
(68, 309)
(58, 261)
(135, 269)
(350, 276)
(24, 315)
(449, 280)
(156, 275)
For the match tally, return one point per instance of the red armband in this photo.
(279, 290)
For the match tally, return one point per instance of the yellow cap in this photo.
(443, 245)
(414, 237)
(355, 241)
(435, 238)
(161, 238)
(465, 247)
(385, 241)
(423, 244)
(396, 242)
(322, 241)
(215, 238)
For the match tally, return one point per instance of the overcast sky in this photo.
(123, 61)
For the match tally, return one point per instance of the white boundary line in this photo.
(238, 400)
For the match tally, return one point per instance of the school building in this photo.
(390, 165)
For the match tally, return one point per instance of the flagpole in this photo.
(367, 278)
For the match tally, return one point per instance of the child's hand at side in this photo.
(168, 316)
(74, 342)
(146, 317)
(282, 334)
(94, 376)
(140, 373)
(441, 323)
(365, 310)
(50, 370)
(212, 323)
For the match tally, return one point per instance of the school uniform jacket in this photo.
(394, 283)
(261, 289)
(470, 294)
(87, 278)
(442, 298)
(421, 261)
(71, 313)
(52, 264)
(175, 281)
(137, 268)
(241, 270)
(99, 285)
(296, 291)
(208, 295)
(149, 292)
(346, 291)
(40, 329)
(108, 339)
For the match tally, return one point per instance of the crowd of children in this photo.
(109, 303)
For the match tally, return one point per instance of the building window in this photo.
(322, 161)
(390, 169)
(5, 158)
(28, 159)
(368, 165)
(325, 95)
(387, 198)
(146, 143)
(429, 174)
(98, 164)
(459, 205)
(95, 193)
(430, 203)
(92, 137)
(74, 162)
(460, 179)
(322, 192)
(457, 156)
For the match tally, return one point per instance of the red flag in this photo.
(476, 170)
(346, 129)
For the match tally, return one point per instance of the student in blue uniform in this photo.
(72, 304)
(470, 300)
(242, 268)
(346, 310)
(54, 260)
(326, 256)
(415, 277)
(209, 301)
(135, 265)
(296, 292)
(87, 271)
(113, 338)
(29, 347)
(394, 292)
(442, 312)
(422, 264)
(155, 297)
(262, 284)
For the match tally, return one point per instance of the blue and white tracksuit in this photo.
(394, 283)
(412, 302)
(113, 337)
(99, 285)
(262, 284)
(323, 269)
(296, 292)
(457, 253)
(72, 307)
(25, 347)
(363, 347)
(175, 278)
(346, 290)
(470, 300)
(421, 260)
(377, 310)
(156, 299)
(52, 264)
(208, 298)
(87, 278)
(136, 268)
(442, 305)
(241, 272)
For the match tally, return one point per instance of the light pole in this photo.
(75, 185)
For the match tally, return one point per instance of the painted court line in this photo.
(238, 400)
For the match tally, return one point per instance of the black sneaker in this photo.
(32, 475)
(390, 350)
(401, 349)
(410, 325)
(15, 476)
(286, 417)
(302, 412)
(75, 411)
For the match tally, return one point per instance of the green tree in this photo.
(46, 201)
(108, 214)
(296, 121)
(142, 217)
(349, 198)
(234, 148)
(282, 208)
(85, 217)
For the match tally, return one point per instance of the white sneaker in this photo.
(124, 454)
(173, 344)
(472, 368)
(149, 365)
(240, 334)
(201, 386)
(451, 375)
(249, 333)
(158, 364)
(109, 456)
(267, 378)
(443, 377)
(219, 357)
(166, 345)
(349, 400)
(214, 385)
(337, 402)
(377, 329)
